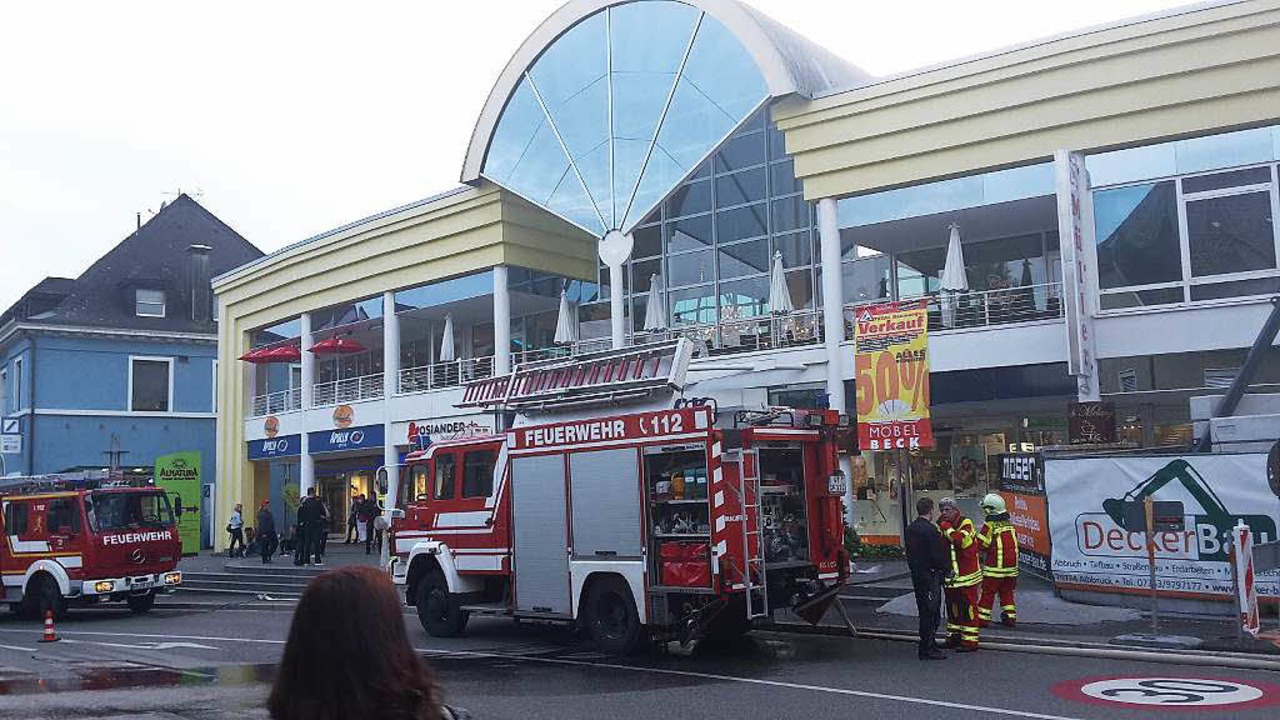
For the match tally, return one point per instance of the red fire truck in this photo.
(85, 540)
(672, 521)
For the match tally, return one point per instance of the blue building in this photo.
(119, 365)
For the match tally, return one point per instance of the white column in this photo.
(617, 308)
(390, 376)
(501, 321)
(306, 466)
(833, 322)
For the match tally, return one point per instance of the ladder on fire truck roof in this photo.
(32, 484)
(608, 377)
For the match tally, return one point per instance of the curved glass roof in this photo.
(619, 109)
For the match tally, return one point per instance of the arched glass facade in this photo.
(620, 109)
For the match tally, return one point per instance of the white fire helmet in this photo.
(993, 504)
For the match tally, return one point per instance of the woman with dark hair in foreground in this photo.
(348, 656)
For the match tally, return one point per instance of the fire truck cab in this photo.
(85, 540)
(668, 520)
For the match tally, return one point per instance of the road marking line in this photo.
(756, 681)
(15, 647)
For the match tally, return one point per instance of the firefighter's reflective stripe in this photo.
(965, 569)
(1000, 549)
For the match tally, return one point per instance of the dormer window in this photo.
(149, 303)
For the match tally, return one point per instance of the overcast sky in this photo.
(286, 119)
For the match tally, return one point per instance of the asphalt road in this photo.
(217, 663)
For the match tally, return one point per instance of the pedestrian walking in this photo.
(963, 583)
(348, 656)
(322, 539)
(362, 521)
(999, 542)
(351, 519)
(927, 559)
(235, 528)
(266, 531)
(309, 512)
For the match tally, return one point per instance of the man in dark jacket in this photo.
(309, 519)
(927, 558)
(266, 531)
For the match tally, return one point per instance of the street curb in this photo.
(1206, 658)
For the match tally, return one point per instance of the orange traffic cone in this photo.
(49, 634)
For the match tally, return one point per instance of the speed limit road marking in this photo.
(1169, 692)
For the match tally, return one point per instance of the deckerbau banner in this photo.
(1092, 550)
(179, 476)
(891, 374)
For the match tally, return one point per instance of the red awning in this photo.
(337, 346)
(256, 356)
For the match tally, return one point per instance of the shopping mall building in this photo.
(1114, 191)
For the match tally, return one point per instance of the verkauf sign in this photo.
(891, 374)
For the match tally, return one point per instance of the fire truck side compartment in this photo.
(604, 486)
(540, 546)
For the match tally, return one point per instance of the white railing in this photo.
(445, 374)
(336, 392)
(765, 332)
(277, 402)
(1026, 303)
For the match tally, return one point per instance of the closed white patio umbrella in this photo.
(655, 309)
(566, 328)
(953, 279)
(779, 294)
(447, 353)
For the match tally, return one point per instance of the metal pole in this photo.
(1148, 508)
(1261, 344)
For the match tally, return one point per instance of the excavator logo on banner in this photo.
(1206, 535)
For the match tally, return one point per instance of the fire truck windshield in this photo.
(120, 511)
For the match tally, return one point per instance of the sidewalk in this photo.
(336, 555)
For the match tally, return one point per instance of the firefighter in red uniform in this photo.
(962, 585)
(999, 542)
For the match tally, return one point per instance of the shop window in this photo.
(744, 298)
(693, 306)
(1231, 234)
(796, 249)
(800, 286)
(642, 272)
(445, 478)
(149, 303)
(477, 474)
(150, 389)
(868, 279)
(1137, 235)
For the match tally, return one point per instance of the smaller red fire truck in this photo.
(668, 521)
(82, 539)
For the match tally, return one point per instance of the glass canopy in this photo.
(620, 109)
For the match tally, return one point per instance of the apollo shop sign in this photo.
(1092, 550)
(341, 440)
(276, 447)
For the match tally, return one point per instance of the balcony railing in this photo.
(1026, 303)
(336, 392)
(277, 402)
(445, 374)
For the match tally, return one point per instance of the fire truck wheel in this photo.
(440, 611)
(48, 597)
(612, 618)
(142, 603)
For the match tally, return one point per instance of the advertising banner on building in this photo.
(179, 476)
(1092, 550)
(891, 370)
(1022, 486)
